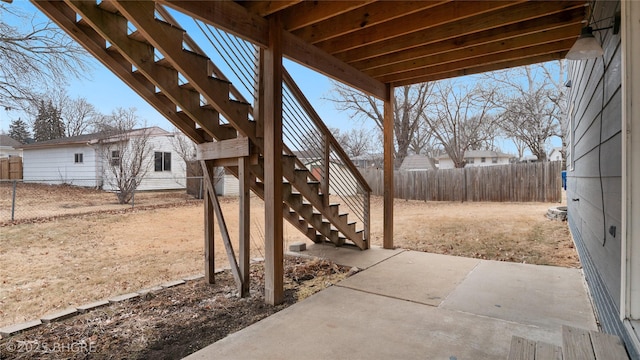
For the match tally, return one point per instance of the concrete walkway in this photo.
(414, 305)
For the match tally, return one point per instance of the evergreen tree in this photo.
(18, 131)
(48, 124)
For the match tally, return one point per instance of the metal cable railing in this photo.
(304, 133)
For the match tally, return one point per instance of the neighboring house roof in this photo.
(369, 157)
(306, 155)
(417, 162)
(480, 154)
(555, 149)
(6, 140)
(89, 138)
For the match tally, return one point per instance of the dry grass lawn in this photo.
(48, 266)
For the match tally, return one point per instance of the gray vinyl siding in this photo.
(596, 168)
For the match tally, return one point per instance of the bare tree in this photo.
(35, 55)
(78, 115)
(533, 105)
(410, 103)
(461, 119)
(520, 147)
(127, 153)
(356, 142)
(559, 98)
(423, 142)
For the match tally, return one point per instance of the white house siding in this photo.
(157, 180)
(488, 161)
(56, 165)
(555, 155)
(447, 163)
(162, 180)
(228, 185)
(8, 151)
(594, 171)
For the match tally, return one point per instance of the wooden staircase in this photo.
(577, 344)
(150, 55)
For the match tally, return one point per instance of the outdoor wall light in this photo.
(587, 46)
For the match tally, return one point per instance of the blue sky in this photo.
(106, 92)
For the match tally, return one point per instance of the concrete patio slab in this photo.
(545, 296)
(341, 323)
(414, 305)
(351, 256)
(414, 276)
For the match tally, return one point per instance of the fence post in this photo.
(200, 191)
(13, 201)
(133, 198)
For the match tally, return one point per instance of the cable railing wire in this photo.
(298, 125)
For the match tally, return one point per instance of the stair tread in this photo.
(137, 36)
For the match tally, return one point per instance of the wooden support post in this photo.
(388, 168)
(326, 161)
(245, 218)
(224, 233)
(274, 247)
(209, 253)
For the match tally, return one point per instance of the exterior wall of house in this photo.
(156, 180)
(447, 163)
(8, 151)
(228, 185)
(162, 180)
(594, 171)
(56, 165)
(488, 161)
(555, 155)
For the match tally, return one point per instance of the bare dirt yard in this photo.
(60, 262)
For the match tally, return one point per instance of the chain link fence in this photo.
(23, 201)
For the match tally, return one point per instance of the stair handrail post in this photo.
(322, 127)
(367, 218)
(326, 162)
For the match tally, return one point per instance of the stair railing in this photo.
(304, 133)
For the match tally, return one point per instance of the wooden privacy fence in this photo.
(11, 168)
(501, 183)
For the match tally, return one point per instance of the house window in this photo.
(482, 159)
(115, 158)
(78, 158)
(162, 161)
(494, 160)
(469, 160)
